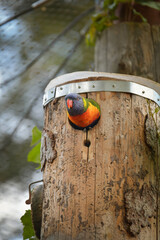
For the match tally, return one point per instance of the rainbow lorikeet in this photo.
(83, 113)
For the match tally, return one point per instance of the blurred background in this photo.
(37, 43)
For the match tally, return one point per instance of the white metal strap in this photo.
(100, 86)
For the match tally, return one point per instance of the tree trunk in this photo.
(130, 48)
(110, 189)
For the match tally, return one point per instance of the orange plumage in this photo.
(82, 113)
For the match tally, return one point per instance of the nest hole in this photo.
(87, 143)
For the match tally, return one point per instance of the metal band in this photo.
(100, 86)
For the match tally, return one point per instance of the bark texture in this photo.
(130, 48)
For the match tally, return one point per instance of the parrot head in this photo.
(74, 104)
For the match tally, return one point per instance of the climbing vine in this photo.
(107, 15)
(33, 156)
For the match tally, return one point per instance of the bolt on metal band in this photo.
(101, 86)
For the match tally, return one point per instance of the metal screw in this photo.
(93, 86)
(61, 88)
(51, 91)
(143, 92)
(79, 87)
(113, 85)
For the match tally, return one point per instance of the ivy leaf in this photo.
(36, 135)
(34, 154)
(28, 231)
(151, 4)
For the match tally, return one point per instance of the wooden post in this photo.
(130, 48)
(108, 190)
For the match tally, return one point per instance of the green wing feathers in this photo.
(94, 103)
(88, 101)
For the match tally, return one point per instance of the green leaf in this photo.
(106, 3)
(151, 4)
(34, 154)
(140, 15)
(28, 231)
(36, 135)
(109, 4)
(91, 36)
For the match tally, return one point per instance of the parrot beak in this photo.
(69, 103)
